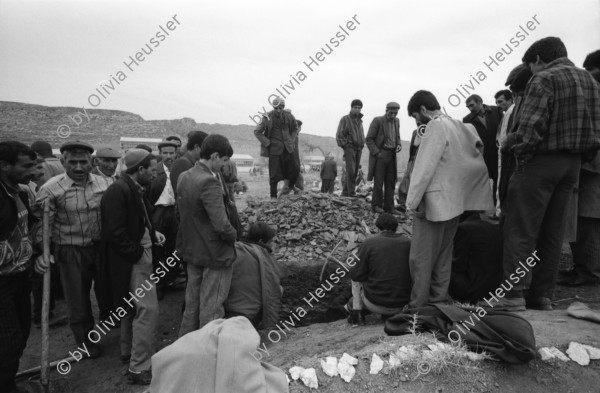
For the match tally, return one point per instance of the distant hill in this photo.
(28, 123)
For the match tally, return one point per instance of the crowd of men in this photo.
(129, 229)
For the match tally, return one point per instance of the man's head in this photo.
(542, 52)
(278, 105)
(77, 159)
(42, 149)
(356, 106)
(386, 222)
(145, 147)
(17, 163)
(504, 99)
(168, 153)
(176, 140)
(37, 172)
(422, 105)
(107, 160)
(518, 79)
(215, 151)
(195, 139)
(260, 232)
(475, 104)
(391, 110)
(592, 64)
(299, 122)
(141, 166)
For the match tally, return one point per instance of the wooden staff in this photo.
(46, 298)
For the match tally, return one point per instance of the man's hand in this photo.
(160, 238)
(40, 265)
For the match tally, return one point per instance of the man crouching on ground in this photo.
(381, 277)
(255, 292)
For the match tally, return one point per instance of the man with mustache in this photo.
(74, 199)
(107, 160)
(162, 200)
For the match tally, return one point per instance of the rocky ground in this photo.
(301, 264)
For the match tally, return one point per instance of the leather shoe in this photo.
(377, 209)
(538, 303)
(94, 350)
(575, 281)
(143, 378)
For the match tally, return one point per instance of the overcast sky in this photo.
(224, 59)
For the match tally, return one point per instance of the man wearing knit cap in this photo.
(107, 160)
(74, 200)
(51, 164)
(351, 138)
(128, 237)
(277, 133)
(383, 141)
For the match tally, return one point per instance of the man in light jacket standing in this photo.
(206, 237)
(449, 177)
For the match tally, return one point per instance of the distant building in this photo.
(130, 143)
(243, 160)
(314, 162)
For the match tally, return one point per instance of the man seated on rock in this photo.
(255, 292)
(381, 277)
(476, 260)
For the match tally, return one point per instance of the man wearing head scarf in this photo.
(277, 133)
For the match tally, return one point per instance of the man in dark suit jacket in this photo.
(187, 161)
(277, 133)
(486, 120)
(383, 141)
(328, 174)
(127, 240)
(206, 237)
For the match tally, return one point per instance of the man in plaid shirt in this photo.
(559, 128)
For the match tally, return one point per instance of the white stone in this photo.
(474, 357)
(349, 359)
(546, 354)
(296, 371)
(329, 366)
(309, 378)
(345, 370)
(593, 352)
(559, 355)
(394, 361)
(578, 354)
(376, 364)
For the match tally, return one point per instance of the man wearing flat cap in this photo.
(106, 163)
(351, 138)
(277, 133)
(128, 238)
(383, 141)
(74, 199)
(51, 164)
(162, 201)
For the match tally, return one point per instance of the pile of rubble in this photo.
(310, 225)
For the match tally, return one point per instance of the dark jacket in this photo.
(375, 140)
(264, 129)
(328, 169)
(123, 226)
(158, 185)
(180, 165)
(255, 284)
(205, 237)
(476, 261)
(383, 269)
(487, 134)
(350, 132)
